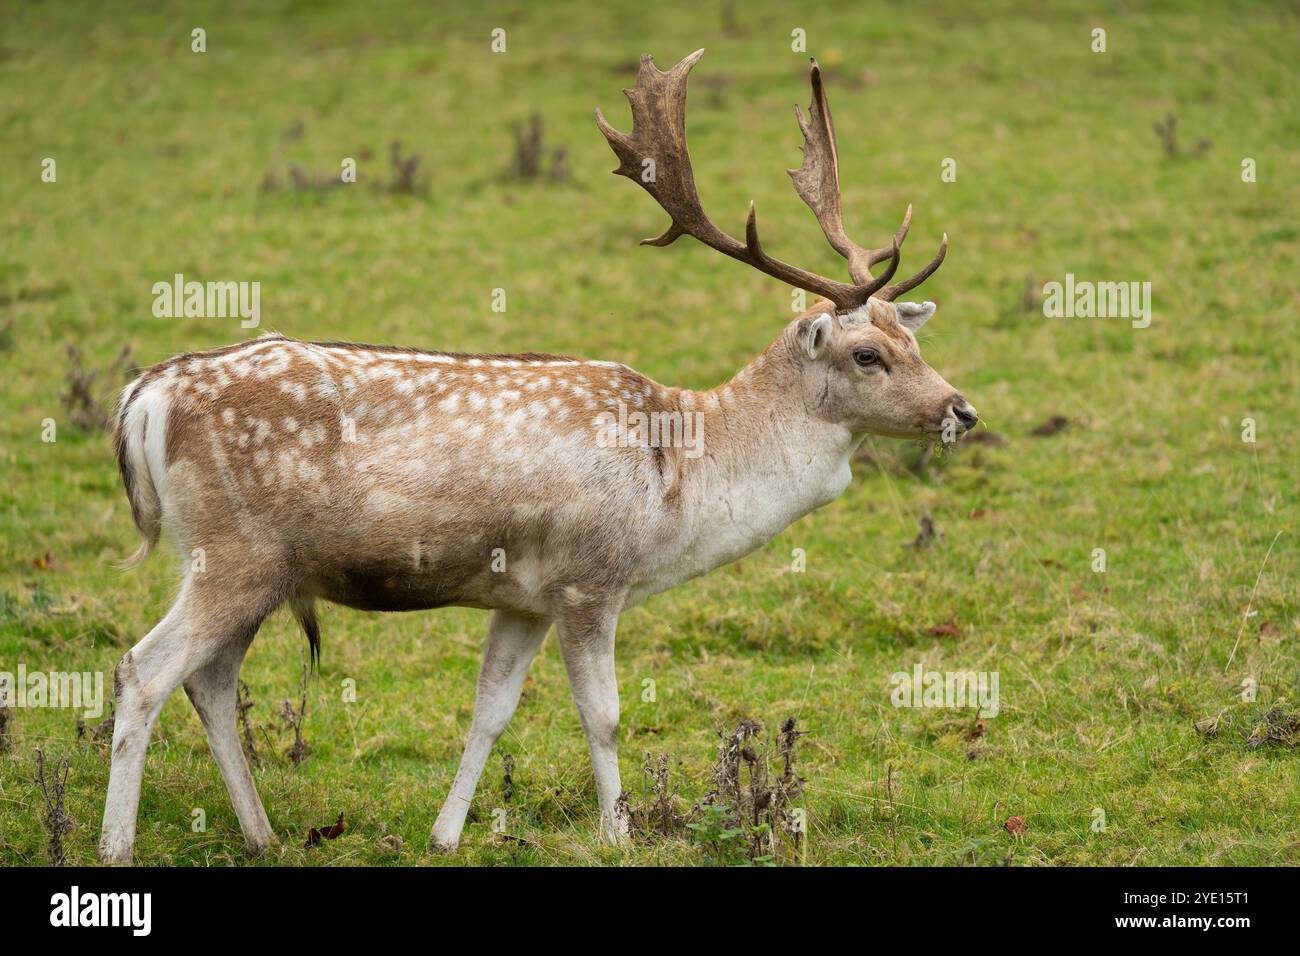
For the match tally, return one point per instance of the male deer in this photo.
(392, 479)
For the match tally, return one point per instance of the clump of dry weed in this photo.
(748, 815)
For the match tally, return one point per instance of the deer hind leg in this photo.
(188, 638)
(213, 689)
(512, 643)
(587, 644)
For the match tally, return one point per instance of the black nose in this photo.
(965, 413)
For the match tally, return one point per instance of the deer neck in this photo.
(767, 459)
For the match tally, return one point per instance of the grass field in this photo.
(1126, 692)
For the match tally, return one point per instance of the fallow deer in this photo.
(390, 479)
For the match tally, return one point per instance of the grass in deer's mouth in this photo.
(1104, 674)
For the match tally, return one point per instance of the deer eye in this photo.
(866, 357)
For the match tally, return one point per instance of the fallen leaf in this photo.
(315, 835)
(1056, 423)
(948, 628)
(511, 838)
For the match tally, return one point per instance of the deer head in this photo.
(857, 351)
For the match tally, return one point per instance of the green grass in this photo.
(161, 153)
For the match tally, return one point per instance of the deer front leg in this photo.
(587, 644)
(512, 642)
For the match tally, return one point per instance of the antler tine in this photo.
(881, 254)
(872, 287)
(655, 156)
(891, 292)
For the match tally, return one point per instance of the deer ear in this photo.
(814, 335)
(913, 315)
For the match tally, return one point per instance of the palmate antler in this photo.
(659, 136)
